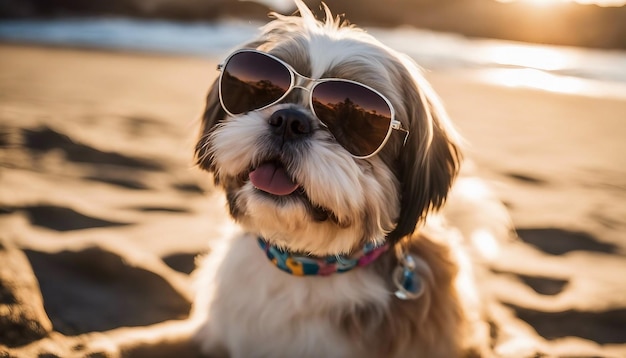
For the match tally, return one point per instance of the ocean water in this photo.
(570, 70)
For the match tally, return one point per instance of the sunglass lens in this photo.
(358, 117)
(252, 80)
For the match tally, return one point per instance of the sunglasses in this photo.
(359, 117)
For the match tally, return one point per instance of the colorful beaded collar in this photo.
(306, 265)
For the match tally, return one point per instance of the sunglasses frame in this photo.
(308, 84)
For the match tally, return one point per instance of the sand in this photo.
(102, 210)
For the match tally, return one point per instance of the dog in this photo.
(334, 153)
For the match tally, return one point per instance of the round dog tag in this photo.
(407, 280)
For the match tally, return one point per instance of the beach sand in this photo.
(102, 211)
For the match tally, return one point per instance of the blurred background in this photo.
(590, 34)
(103, 212)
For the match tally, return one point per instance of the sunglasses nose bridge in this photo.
(302, 82)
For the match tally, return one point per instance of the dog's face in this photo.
(289, 180)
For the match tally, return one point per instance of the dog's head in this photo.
(285, 173)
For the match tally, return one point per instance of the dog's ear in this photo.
(430, 159)
(213, 113)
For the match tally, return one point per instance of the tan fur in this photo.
(431, 326)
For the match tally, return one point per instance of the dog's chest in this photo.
(256, 310)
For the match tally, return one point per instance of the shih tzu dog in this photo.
(332, 150)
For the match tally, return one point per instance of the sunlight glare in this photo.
(541, 80)
(543, 2)
(486, 244)
(533, 78)
(529, 56)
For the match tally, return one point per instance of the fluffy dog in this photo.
(331, 259)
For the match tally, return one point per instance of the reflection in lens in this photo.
(252, 80)
(358, 117)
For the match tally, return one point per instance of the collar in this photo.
(300, 265)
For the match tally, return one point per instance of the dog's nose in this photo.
(290, 123)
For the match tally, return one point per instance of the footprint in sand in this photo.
(181, 262)
(125, 183)
(60, 218)
(606, 327)
(97, 290)
(45, 139)
(555, 241)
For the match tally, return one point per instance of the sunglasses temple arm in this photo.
(398, 126)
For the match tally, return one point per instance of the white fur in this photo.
(255, 310)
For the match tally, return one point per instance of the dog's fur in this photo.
(245, 305)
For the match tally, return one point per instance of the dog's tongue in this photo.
(273, 179)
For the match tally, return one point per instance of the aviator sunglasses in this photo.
(359, 117)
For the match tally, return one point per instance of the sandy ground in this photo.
(102, 211)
